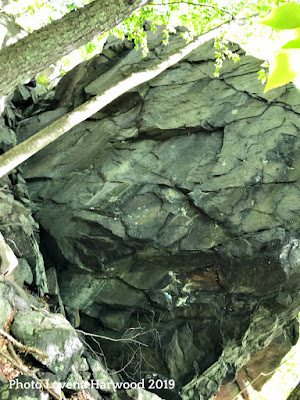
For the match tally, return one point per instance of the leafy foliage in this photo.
(286, 16)
(285, 65)
(223, 51)
(196, 15)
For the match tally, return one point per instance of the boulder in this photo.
(53, 335)
(172, 215)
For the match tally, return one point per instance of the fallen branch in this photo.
(28, 372)
(149, 69)
(17, 358)
(23, 347)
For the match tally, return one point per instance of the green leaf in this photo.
(283, 70)
(284, 17)
(293, 44)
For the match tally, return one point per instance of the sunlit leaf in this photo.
(293, 44)
(286, 16)
(283, 69)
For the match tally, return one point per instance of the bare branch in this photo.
(130, 340)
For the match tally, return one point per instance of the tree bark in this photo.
(30, 55)
(149, 68)
(295, 394)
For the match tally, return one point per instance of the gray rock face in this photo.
(101, 375)
(19, 231)
(15, 390)
(6, 307)
(53, 335)
(173, 214)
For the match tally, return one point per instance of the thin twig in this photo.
(20, 254)
(93, 352)
(128, 363)
(198, 5)
(111, 339)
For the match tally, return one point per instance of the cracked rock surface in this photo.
(173, 214)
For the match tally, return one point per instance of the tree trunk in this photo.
(43, 47)
(295, 394)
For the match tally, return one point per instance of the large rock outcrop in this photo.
(172, 216)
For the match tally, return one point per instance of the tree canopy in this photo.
(196, 15)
